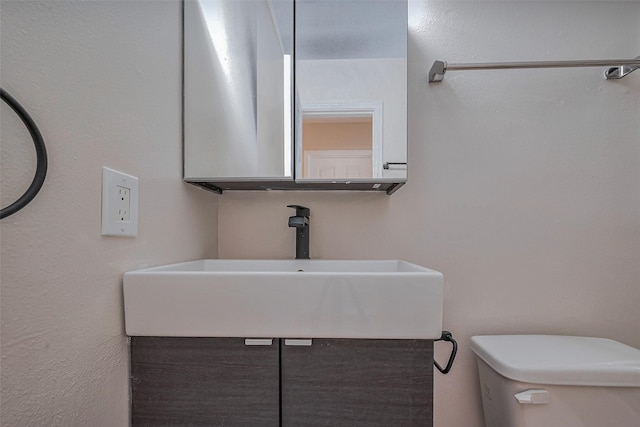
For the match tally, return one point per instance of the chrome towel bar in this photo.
(618, 67)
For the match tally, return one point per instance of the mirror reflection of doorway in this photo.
(340, 143)
(338, 148)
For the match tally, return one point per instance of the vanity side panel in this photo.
(358, 382)
(203, 381)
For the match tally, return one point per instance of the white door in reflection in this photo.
(338, 164)
(340, 142)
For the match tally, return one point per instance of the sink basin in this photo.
(286, 299)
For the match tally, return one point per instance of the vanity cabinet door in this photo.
(358, 382)
(204, 381)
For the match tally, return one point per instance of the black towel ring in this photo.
(447, 336)
(41, 155)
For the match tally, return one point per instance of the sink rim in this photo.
(200, 266)
(186, 299)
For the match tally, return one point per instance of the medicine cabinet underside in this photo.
(246, 185)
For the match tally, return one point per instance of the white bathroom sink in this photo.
(285, 298)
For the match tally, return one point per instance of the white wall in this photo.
(103, 82)
(524, 186)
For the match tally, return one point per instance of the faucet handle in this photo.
(301, 210)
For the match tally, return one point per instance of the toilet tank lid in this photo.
(560, 360)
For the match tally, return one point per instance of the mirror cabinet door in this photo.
(351, 90)
(349, 94)
(238, 90)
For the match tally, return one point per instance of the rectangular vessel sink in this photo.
(286, 299)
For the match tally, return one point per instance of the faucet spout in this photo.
(300, 221)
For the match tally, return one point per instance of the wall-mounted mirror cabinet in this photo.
(325, 109)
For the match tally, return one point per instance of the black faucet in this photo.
(301, 222)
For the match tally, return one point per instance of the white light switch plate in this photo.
(119, 203)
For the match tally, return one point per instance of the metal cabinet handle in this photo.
(258, 341)
(298, 342)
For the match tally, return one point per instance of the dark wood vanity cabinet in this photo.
(333, 382)
(204, 382)
(351, 382)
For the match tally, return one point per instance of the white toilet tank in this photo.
(557, 381)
